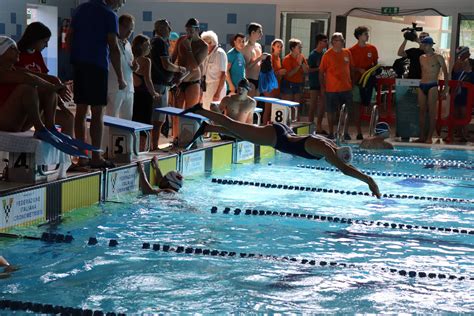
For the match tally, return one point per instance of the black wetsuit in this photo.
(294, 148)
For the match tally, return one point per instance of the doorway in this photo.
(305, 27)
(465, 36)
(48, 15)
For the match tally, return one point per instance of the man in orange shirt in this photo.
(335, 77)
(364, 56)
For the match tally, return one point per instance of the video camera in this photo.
(410, 32)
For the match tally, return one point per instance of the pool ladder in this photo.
(341, 124)
(374, 118)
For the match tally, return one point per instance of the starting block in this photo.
(124, 138)
(31, 160)
(188, 124)
(281, 109)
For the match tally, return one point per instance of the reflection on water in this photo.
(130, 279)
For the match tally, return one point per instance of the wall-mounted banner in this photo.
(245, 151)
(193, 163)
(122, 181)
(22, 208)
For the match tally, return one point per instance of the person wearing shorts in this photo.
(162, 74)
(335, 79)
(93, 33)
(364, 56)
(296, 67)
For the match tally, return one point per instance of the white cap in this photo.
(5, 43)
(344, 153)
(175, 179)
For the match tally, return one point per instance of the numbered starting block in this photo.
(124, 138)
(188, 125)
(31, 160)
(281, 109)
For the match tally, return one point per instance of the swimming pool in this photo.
(130, 279)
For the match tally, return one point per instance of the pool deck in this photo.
(167, 151)
(48, 200)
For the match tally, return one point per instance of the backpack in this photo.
(400, 66)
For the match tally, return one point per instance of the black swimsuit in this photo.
(294, 148)
(142, 102)
(185, 84)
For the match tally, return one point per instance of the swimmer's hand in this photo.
(374, 187)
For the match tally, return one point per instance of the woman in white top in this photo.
(214, 70)
(120, 102)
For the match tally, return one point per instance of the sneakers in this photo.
(360, 137)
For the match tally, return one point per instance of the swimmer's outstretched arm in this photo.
(145, 185)
(351, 171)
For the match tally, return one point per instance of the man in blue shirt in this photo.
(93, 37)
(236, 63)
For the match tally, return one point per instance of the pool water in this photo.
(130, 279)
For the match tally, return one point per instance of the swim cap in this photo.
(344, 153)
(175, 179)
(382, 129)
(174, 36)
(5, 43)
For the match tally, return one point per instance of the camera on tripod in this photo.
(410, 32)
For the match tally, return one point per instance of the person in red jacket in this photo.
(34, 40)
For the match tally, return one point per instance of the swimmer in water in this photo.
(282, 138)
(171, 182)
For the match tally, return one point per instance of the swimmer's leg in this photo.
(260, 135)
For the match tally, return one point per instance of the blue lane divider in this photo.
(304, 261)
(334, 191)
(414, 159)
(46, 237)
(50, 309)
(390, 174)
(342, 220)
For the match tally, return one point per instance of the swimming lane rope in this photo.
(334, 191)
(342, 220)
(50, 309)
(414, 159)
(390, 174)
(303, 261)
